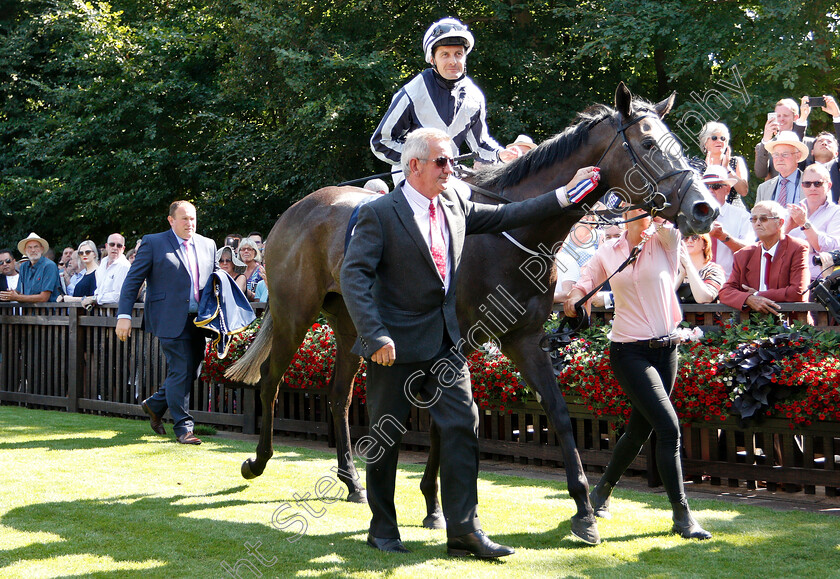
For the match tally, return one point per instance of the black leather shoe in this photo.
(387, 545)
(476, 543)
(684, 524)
(156, 422)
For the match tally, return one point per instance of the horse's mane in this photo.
(554, 150)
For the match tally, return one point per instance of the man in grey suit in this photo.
(398, 281)
(785, 188)
(176, 265)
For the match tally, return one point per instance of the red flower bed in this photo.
(805, 389)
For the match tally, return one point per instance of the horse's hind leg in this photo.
(535, 367)
(429, 483)
(286, 338)
(341, 395)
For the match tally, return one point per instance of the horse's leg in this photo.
(287, 332)
(341, 395)
(535, 367)
(429, 483)
(269, 386)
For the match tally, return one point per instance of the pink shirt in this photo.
(646, 305)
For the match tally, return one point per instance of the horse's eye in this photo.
(648, 144)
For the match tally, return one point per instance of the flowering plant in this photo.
(750, 370)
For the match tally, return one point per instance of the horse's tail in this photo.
(247, 368)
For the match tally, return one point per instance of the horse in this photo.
(504, 292)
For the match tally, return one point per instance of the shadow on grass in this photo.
(152, 536)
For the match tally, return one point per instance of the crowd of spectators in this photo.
(798, 174)
(94, 274)
(754, 257)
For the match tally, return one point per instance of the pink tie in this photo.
(782, 192)
(768, 259)
(436, 245)
(193, 270)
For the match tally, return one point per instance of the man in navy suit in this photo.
(398, 281)
(176, 265)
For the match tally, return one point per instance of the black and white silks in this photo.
(458, 108)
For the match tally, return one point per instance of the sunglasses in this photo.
(7, 261)
(225, 261)
(692, 238)
(718, 137)
(60, 264)
(716, 186)
(85, 251)
(761, 218)
(812, 183)
(112, 244)
(441, 162)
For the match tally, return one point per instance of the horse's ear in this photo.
(664, 107)
(623, 100)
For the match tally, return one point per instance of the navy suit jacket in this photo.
(390, 283)
(168, 284)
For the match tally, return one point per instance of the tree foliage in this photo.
(110, 111)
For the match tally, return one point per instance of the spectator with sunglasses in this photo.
(111, 273)
(816, 218)
(8, 271)
(699, 278)
(771, 271)
(84, 286)
(731, 231)
(441, 97)
(716, 143)
(232, 265)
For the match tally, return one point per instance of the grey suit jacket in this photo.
(168, 282)
(766, 190)
(390, 283)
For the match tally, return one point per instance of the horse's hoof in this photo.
(586, 529)
(435, 520)
(247, 473)
(359, 497)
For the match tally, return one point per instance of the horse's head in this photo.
(644, 163)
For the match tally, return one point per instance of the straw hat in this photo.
(717, 174)
(33, 237)
(236, 261)
(523, 141)
(788, 138)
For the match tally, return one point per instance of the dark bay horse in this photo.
(504, 293)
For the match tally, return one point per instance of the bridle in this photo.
(654, 202)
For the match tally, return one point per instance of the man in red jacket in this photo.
(773, 270)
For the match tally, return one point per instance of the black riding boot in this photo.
(685, 525)
(599, 498)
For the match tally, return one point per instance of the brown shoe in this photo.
(156, 422)
(188, 438)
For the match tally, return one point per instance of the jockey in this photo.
(441, 97)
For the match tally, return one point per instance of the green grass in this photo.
(96, 496)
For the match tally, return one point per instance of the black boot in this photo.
(685, 525)
(599, 498)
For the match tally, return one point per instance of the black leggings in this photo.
(647, 377)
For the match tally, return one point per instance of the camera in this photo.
(827, 259)
(816, 101)
(825, 292)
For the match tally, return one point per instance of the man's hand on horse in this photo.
(386, 355)
(123, 329)
(584, 181)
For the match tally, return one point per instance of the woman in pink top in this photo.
(643, 355)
